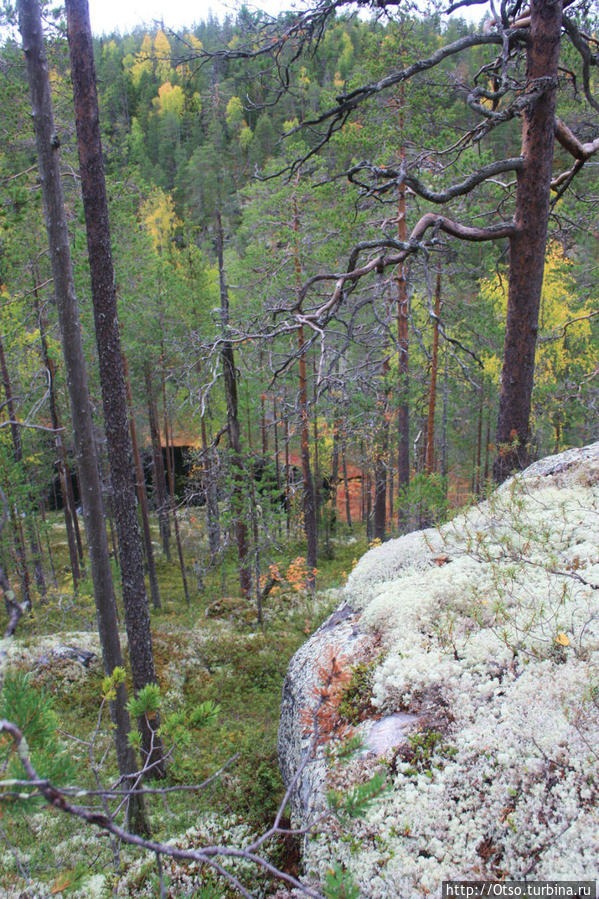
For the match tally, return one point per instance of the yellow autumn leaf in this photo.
(562, 639)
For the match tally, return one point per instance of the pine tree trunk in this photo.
(112, 381)
(310, 527)
(68, 315)
(528, 244)
(142, 497)
(170, 470)
(70, 513)
(162, 500)
(403, 368)
(346, 482)
(233, 428)
(429, 459)
(211, 493)
(36, 553)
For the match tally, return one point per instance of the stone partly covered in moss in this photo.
(487, 631)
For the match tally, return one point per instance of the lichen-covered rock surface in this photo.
(482, 642)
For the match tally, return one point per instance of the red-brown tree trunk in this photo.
(528, 245)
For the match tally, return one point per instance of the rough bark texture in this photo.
(112, 380)
(76, 374)
(527, 246)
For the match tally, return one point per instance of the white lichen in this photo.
(496, 615)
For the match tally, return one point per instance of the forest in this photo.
(308, 283)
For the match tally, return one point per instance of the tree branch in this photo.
(398, 177)
(570, 142)
(382, 261)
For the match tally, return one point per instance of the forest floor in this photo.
(212, 650)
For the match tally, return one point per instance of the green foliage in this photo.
(147, 702)
(424, 500)
(33, 712)
(425, 752)
(356, 695)
(356, 803)
(338, 884)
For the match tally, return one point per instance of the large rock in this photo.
(483, 639)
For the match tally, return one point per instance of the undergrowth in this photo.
(213, 651)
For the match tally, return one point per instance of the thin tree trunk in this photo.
(429, 459)
(380, 480)
(162, 500)
(317, 472)
(487, 450)
(346, 482)
(36, 553)
(112, 381)
(368, 510)
(528, 244)
(287, 477)
(170, 469)
(403, 369)
(335, 474)
(275, 416)
(310, 527)
(263, 430)
(70, 513)
(233, 429)
(444, 417)
(142, 497)
(210, 493)
(479, 442)
(68, 315)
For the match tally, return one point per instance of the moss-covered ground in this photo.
(212, 649)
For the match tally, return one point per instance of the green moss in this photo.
(356, 697)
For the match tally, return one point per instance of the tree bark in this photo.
(142, 497)
(429, 459)
(403, 367)
(162, 500)
(70, 513)
(233, 428)
(36, 553)
(209, 475)
(310, 527)
(528, 244)
(112, 379)
(170, 470)
(68, 316)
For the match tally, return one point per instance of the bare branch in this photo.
(588, 58)
(399, 177)
(570, 142)
(206, 855)
(382, 261)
